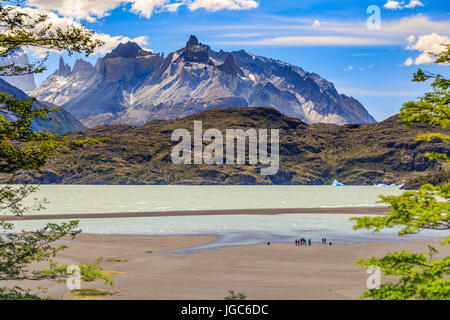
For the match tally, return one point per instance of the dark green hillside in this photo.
(384, 152)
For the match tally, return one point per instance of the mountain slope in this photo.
(131, 85)
(24, 82)
(361, 154)
(65, 121)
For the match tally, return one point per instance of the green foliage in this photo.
(91, 292)
(433, 107)
(235, 296)
(83, 142)
(18, 250)
(433, 136)
(17, 293)
(428, 208)
(23, 149)
(93, 271)
(444, 56)
(116, 260)
(420, 278)
(89, 272)
(20, 30)
(413, 210)
(11, 197)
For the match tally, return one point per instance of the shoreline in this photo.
(281, 271)
(373, 210)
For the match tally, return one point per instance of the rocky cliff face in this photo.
(131, 85)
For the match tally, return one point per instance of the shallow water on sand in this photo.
(240, 229)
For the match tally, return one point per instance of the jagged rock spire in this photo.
(195, 51)
(63, 69)
(61, 63)
(192, 41)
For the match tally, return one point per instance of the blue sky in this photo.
(330, 38)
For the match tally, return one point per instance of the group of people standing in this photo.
(302, 242)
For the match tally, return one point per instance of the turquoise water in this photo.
(230, 229)
(106, 199)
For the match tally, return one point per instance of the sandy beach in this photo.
(276, 271)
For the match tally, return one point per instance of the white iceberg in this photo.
(381, 185)
(337, 184)
(393, 185)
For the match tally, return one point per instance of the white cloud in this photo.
(399, 5)
(409, 61)
(316, 23)
(393, 5)
(146, 8)
(289, 31)
(349, 68)
(411, 38)
(78, 9)
(63, 23)
(173, 7)
(311, 41)
(91, 11)
(281, 31)
(242, 35)
(215, 5)
(414, 3)
(429, 45)
(419, 23)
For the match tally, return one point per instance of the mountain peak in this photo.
(127, 50)
(195, 51)
(82, 66)
(192, 41)
(63, 69)
(130, 85)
